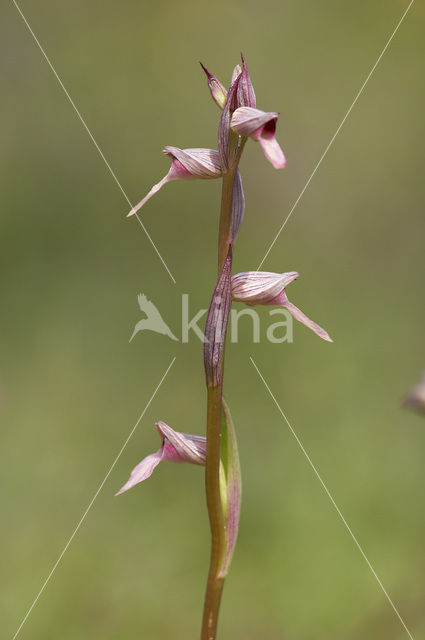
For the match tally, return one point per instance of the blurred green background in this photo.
(72, 387)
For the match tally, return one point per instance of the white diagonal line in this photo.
(92, 501)
(319, 477)
(341, 124)
(92, 138)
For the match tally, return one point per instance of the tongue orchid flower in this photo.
(262, 287)
(175, 447)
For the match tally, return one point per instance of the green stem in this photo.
(215, 512)
(225, 215)
(212, 468)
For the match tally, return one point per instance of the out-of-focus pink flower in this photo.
(262, 287)
(260, 126)
(175, 447)
(416, 398)
(186, 164)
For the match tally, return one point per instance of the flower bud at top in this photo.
(218, 92)
(224, 131)
(262, 287)
(186, 164)
(246, 95)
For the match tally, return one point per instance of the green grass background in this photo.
(71, 265)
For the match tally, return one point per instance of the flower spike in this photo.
(218, 92)
(260, 126)
(262, 287)
(175, 447)
(186, 164)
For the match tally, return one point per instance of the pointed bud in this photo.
(238, 207)
(186, 164)
(416, 398)
(246, 95)
(236, 72)
(262, 287)
(224, 130)
(218, 92)
(260, 126)
(216, 324)
(175, 447)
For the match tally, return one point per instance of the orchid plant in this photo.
(240, 120)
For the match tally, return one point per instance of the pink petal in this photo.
(271, 148)
(152, 192)
(301, 317)
(143, 470)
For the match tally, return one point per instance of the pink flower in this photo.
(186, 164)
(260, 126)
(175, 447)
(262, 287)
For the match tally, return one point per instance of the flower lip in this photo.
(260, 126)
